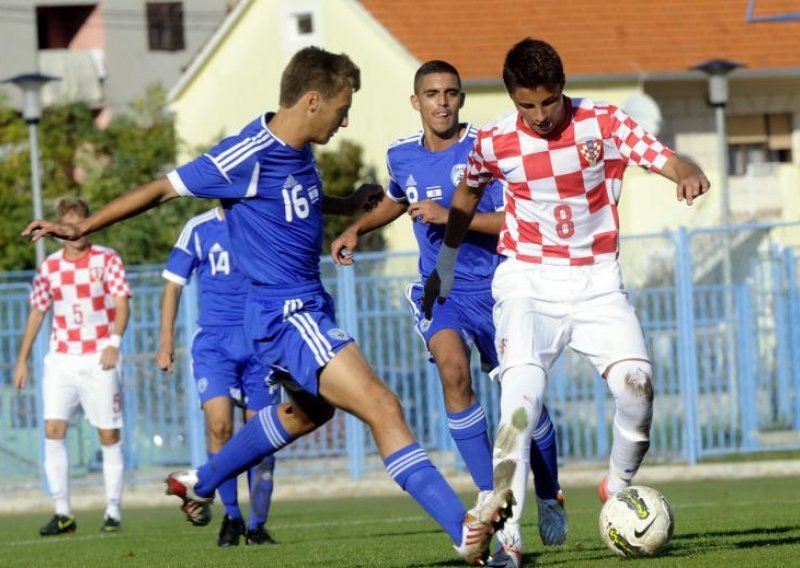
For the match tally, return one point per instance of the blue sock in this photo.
(262, 436)
(544, 457)
(261, 491)
(413, 471)
(229, 495)
(469, 430)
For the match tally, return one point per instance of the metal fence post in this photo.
(793, 309)
(748, 378)
(687, 354)
(354, 428)
(782, 408)
(40, 348)
(195, 421)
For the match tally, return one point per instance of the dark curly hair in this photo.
(533, 63)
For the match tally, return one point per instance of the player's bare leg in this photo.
(350, 384)
(630, 382)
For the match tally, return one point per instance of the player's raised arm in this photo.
(123, 207)
(690, 179)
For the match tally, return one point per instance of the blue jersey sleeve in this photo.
(393, 189)
(183, 259)
(495, 192)
(215, 175)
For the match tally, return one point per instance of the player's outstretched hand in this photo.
(40, 228)
(692, 186)
(343, 247)
(165, 356)
(367, 196)
(20, 375)
(428, 211)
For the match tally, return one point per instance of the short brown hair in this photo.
(431, 67)
(314, 69)
(533, 63)
(67, 205)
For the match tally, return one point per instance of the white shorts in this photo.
(72, 380)
(540, 309)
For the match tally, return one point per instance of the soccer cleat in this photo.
(480, 524)
(509, 551)
(553, 525)
(59, 524)
(259, 536)
(602, 490)
(197, 508)
(230, 532)
(110, 525)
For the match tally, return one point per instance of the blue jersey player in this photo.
(274, 204)
(424, 170)
(225, 369)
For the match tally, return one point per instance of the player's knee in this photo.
(387, 407)
(219, 430)
(109, 437)
(456, 381)
(54, 430)
(631, 384)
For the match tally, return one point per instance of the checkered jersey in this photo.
(561, 193)
(82, 294)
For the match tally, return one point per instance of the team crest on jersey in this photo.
(457, 173)
(591, 151)
(202, 385)
(338, 333)
(95, 274)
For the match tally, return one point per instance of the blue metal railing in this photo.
(726, 380)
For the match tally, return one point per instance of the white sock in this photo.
(112, 475)
(56, 470)
(522, 394)
(631, 384)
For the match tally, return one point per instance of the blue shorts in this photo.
(224, 364)
(294, 330)
(468, 312)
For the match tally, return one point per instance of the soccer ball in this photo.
(637, 521)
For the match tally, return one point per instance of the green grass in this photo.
(751, 523)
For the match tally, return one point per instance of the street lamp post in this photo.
(717, 71)
(31, 85)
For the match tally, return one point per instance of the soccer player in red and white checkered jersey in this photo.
(85, 285)
(561, 163)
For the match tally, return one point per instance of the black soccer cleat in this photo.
(59, 524)
(259, 536)
(111, 525)
(230, 532)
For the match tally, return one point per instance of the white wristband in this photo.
(115, 340)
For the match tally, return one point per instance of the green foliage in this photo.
(78, 158)
(342, 171)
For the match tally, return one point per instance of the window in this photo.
(304, 23)
(756, 139)
(58, 26)
(165, 26)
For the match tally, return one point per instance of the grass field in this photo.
(724, 523)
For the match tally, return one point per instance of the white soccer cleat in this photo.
(197, 508)
(553, 525)
(509, 548)
(479, 525)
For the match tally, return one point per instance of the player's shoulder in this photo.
(104, 251)
(198, 224)
(406, 144)
(255, 137)
(583, 108)
(504, 124)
